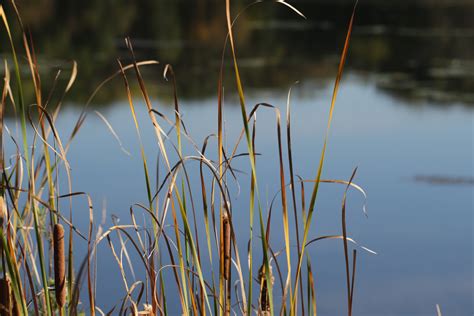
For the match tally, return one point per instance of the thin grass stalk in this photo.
(220, 150)
(323, 153)
(187, 229)
(354, 260)
(2, 221)
(184, 301)
(167, 241)
(39, 240)
(286, 228)
(346, 253)
(221, 263)
(193, 246)
(251, 156)
(14, 274)
(312, 306)
(22, 111)
(142, 152)
(31, 57)
(293, 189)
(31, 284)
(90, 288)
(206, 218)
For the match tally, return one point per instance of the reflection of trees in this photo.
(419, 41)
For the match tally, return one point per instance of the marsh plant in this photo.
(187, 253)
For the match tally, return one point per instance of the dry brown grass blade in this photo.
(346, 253)
(329, 237)
(31, 283)
(354, 260)
(83, 115)
(351, 184)
(157, 128)
(134, 304)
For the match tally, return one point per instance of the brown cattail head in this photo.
(3, 215)
(264, 299)
(227, 245)
(5, 298)
(3, 211)
(59, 265)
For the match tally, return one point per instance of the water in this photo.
(404, 113)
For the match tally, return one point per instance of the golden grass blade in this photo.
(157, 128)
(137, 128)
(311, 290)
(323, 152)
(292, 186)
(292, 8)
(6, 87)
(73, 77)
(286, 228)
(119, 72)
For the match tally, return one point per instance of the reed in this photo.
(163, 263)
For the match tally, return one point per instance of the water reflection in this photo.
(417, 52)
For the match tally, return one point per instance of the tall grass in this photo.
(217, 278)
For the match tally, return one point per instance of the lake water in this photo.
(404, 116)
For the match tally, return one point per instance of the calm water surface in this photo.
(404, 117)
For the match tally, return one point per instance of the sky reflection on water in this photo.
(422, 232)
(404, 111)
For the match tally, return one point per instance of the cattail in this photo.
(227, 245)
(5, 298)
(3, 211)
(3, 215)
(59, 265)
(264, 299)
